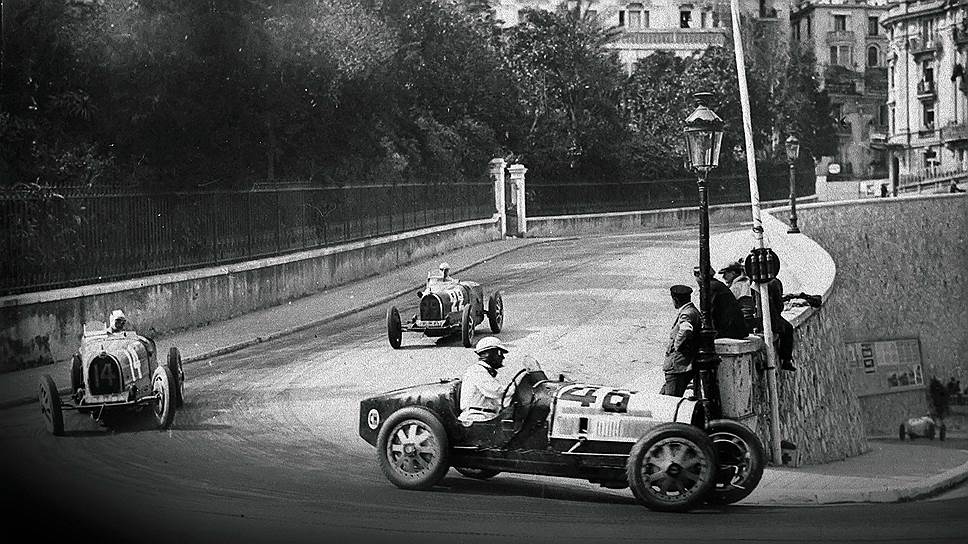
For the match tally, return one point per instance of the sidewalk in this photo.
(892, 471)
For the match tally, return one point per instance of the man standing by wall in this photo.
(724, 311)
(683, 343)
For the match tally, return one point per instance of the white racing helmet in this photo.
(489, 342)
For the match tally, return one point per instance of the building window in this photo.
(872, 56)
(841, 55)
(890, 78)
(928, 70)
(927, 117)
(685, 18)
(796, 31)
(892, 127)
(872, 26)
(637, 17)
(883, 115)
(840, 22)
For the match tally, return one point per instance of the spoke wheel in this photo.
(178, 376)
(394, 328)
(413, 448)
(740, 461)
(50, 406)
(495, 312)
(163, 408)
(467, 327)
(672, 468)
(478, 473)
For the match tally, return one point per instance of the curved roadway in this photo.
(266, 448)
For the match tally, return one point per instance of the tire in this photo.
(672, 454)
(50, 406)
(178, 375)
(901, 433)
(495, 312)
(162, 385)
(413, 449)
(739, 458)
(77, 374)
(467, 327)
(478, 473)
(394, 329)
(942, 432)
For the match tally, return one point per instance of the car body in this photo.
(661, 446)
(114, 371)
(448, 306)
(922, 427)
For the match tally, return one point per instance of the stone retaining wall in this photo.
(41, 328)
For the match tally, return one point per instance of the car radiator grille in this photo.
(430, 308)
(104, 376)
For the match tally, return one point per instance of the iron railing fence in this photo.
(52, 238)
(545, 198)
(931, 180)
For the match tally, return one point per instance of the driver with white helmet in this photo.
(480, 391)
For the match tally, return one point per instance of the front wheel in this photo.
(50, 406)
(478, 473)
(467, 327)
(739, 458)
(672, 468)
(178, 376)
(495, 312)
(161, 386)
(394, 329)
(412, 448)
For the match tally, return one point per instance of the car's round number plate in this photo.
(373, 419)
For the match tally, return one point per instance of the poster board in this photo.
(885, 366)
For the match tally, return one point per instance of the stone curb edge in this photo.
(316, 322)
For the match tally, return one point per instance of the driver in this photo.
(480, 391)
(117, 321)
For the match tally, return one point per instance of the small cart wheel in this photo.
(478, 473)
(672, 468)
(495, 312)
(394, 329)
(161, 385)
(467, 327)
(178, 375)
(412, 448)
(50, 406)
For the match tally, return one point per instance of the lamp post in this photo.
(793, 152)
(704, 136)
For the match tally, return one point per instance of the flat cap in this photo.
(733, 266)
(680, 290)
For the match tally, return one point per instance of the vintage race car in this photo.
(922, 427)
(448, 306)
(663, 447)
(114, 371)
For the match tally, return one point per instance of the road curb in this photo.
(316, 322)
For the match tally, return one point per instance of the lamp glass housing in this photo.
(703, 147)
(792, 148)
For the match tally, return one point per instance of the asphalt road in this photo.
(266, 448)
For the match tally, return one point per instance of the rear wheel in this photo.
(50, 406)
(478, 473)
(413, 449)
(901, 432)
(467, 327)
(942, 432)
(495, 312)
(77, 377)
(739, 460)
(161, 385)
(394, 329)
(672, 468)
(178, 376)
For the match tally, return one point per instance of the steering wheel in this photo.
(512, 388)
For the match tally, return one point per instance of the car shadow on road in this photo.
(131, 422)
(506, 485)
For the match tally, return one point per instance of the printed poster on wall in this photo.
(885, 366)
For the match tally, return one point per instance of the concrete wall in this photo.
(41, 328)
(902, 273)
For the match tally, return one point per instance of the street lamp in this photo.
(793, 152)
(704, 136)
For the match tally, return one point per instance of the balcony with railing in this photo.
(920, 46)
(926, 90)
(835, 37)
(955, 131)
(700, 37)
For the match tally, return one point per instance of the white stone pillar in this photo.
(517, 181)
(497, 176)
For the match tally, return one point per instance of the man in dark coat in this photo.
(782, 329)
(683, 343)
(725, 311)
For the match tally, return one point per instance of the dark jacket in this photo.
(782, 329)
(726, 312)
(683, 340)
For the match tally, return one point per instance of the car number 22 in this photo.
(606, 398)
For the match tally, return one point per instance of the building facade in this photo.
(852, 54)
(682, 27)
(927, 87)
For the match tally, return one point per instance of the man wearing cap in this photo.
(735, 278)
(683, 342)
(480, 390)
(724, 310)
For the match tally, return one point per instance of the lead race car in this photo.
(448, 306)
(663, 447)
(115, 371)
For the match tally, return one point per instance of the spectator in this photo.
(724, 311)
(683, 342)
(939, 398)
(782, 329)
(739, 284)
(954, 187)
